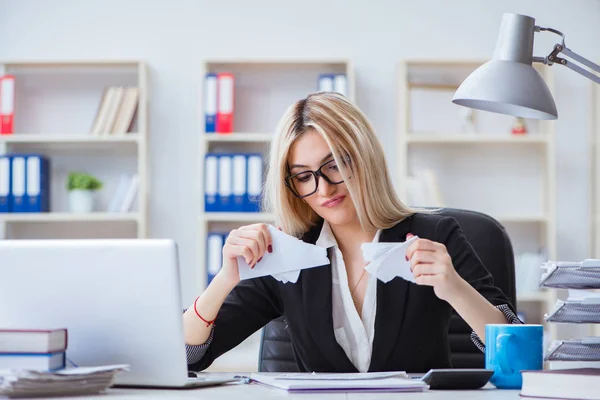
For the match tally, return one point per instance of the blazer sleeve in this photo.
(467, 263)
(247, 308)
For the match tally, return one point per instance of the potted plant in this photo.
(81, 187)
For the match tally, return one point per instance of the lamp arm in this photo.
(562, 48)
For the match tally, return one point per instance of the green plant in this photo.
(82, 181)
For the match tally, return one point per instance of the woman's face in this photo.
(332, 202)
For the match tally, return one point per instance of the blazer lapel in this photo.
(317, 304)
(391, 304)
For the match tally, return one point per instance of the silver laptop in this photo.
(119, 299)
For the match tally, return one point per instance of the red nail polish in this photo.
(259, 260)
(270, 248)
(406, 258)
(252, 266)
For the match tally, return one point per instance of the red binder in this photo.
(225, 84)
(7, 104)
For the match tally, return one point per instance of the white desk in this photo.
(258, 392)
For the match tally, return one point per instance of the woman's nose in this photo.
(325, 188)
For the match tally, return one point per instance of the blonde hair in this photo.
(351, 137)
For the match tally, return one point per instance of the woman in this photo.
(328, 185)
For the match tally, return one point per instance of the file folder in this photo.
(571, 275)
(255, 182)
(325, 83)
(214, 251)
(211, 174)
(239, 182)
(210, 103)
(340, 84)
(5, 178)
(224, 194)
(7, 104)
(225, 103)
(37, 194)
(18, 184)
(586, 349)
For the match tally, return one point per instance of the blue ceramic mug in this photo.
(510, 349)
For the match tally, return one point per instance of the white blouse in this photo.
(353, 333)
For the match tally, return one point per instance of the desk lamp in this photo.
(508, 84)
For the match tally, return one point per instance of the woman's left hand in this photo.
(431, 265)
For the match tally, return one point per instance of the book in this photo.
(33, 361)
(126, 111)
(582, 383)
(101, 118)
(33, 341)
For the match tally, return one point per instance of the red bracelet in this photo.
(208, 323)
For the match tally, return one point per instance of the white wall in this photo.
(176, 36)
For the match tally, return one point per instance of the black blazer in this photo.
(411, 323)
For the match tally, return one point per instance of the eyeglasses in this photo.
(306, 183)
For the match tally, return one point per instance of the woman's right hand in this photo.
(250, 242)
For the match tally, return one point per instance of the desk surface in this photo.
(258, 392)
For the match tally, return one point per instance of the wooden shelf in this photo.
(71, 63)
(238, 137)
(69, 217)
(480, 138)
(237, 217)
(86, 139)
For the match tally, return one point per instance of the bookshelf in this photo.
(56, 102)
(263, 89)
(522, 167)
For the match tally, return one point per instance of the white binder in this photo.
(214, 249)
(255, 180)
(224, 196)
(239, 182)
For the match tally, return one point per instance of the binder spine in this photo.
(239, 182)
(5, 184)
(18, 170)
(210, 103)
(7, 104)
(255, 181)
(211, 173)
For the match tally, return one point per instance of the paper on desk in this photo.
(388, 260)
(327, 376)
(290, 256)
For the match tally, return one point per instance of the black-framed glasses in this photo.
(306, 183)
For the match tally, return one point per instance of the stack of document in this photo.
(66, 382)
(327, 382)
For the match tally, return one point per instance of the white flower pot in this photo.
(81, 201)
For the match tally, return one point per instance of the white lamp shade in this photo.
(507, 87)
(508, 84)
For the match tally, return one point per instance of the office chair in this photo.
(491, 243)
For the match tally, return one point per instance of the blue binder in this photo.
(210, 102)
(18, 183)
(325, 82)
(239, 177)
(37, 193)
(211, 178)
(5, 183)
(255, 182)
(224, 192)
(214, 254)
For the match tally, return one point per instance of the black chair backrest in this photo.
(491, 243)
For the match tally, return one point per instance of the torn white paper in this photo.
(290, 255)
(388, 260)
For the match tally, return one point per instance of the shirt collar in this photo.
(327, 240)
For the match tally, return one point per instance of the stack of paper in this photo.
(327, 382)
(71, 381)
